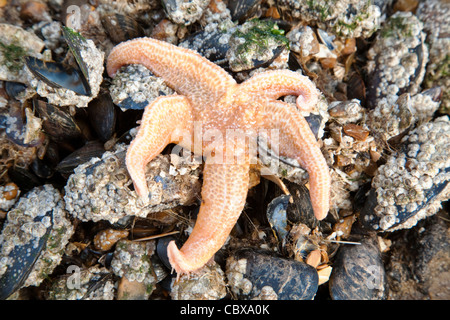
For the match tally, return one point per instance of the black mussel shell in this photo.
(242, 10)
(24, 259)
(102, 116)
(56, 75)
(121, 28)
(90, 150)
(25, 179)
(209, 45)
(13, 89)
(358, 272)
(289, 279)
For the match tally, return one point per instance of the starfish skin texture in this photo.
(208, 98)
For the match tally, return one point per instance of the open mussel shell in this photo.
(277, 216)
(56, 75)
(24, 257)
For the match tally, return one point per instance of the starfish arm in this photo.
(161, 123)
(224, 193)
(297, 141)
(184, 70)
(275, 84)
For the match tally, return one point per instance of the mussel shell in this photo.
(102, 116)
(13, 89)
(277, 216)
(57, 121)
(121, 28)
(209, 45)
(25, 257)
(56, 75)
(358, 272)
(289, 279)
(25, 179)
(242, 10)
(90, 150)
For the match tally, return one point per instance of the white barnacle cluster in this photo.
(413, 182)
(185, 12)
(390, 118)
(132, 260)
(137, 83)
(236, 269)
(208, 283)
(399, 55)
(101, 189)
(345, 18)
(37, 215)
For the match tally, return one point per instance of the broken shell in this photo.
(277, 216)
(32, 239)
(358, 272)
(257, 274)
(26, 133)
(91, 63)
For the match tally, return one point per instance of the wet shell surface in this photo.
(33, 239)
(261, 275)
(358, 272)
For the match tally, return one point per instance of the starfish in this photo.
(208, 100)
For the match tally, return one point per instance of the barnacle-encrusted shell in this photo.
(345, 18)
(133, 261)
(397, 59)
(40, 213)
(134, 87)
(100, 188)
(413, 182)
(206, 284)
(83, 284)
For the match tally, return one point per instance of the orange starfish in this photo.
(210, 100)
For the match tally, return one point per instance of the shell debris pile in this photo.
(72, 225)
